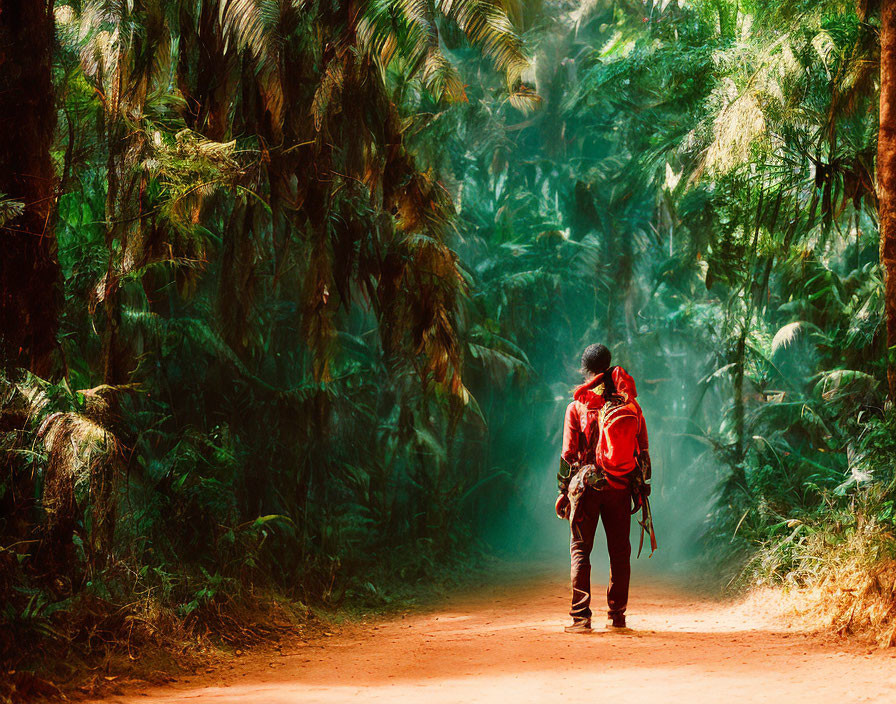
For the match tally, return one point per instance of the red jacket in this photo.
(580, 428)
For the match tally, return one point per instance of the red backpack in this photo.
(611, 421)
(617, 442)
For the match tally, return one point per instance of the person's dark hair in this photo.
(595, 359)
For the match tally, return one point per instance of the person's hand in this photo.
(645, 490)
(561, 508)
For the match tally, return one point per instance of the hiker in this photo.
(599, 477)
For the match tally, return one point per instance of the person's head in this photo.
(595, 360)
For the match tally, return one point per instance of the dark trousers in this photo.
(613, 508)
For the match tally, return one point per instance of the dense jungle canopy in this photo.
(294, 291)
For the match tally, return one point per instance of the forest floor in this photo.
(503, 642)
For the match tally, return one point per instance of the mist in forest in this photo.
(582, 263)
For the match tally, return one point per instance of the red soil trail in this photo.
(504, 643)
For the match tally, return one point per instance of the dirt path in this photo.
(505, 644)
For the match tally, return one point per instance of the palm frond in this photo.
(488, 27)
(9, 209)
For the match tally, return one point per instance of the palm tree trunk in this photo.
(739, 361)
(30, 295)
(886, 178)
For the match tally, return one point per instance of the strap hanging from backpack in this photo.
(646, 524)
(642, 501)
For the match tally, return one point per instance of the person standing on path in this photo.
(600, 472)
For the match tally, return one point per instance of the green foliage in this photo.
(328, 273)
(696, 191)
(262, 338)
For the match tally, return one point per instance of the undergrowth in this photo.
(836, 559)
(127, 624)
(837, 570)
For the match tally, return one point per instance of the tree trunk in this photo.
(30, 294)
(886, 178)
(740, 354)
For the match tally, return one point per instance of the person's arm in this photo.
(569, 457)
(569, 453)
(572, 435)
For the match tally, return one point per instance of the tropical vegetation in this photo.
(294, 292)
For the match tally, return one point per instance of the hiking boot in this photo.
(579, 626)
(616, 622)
